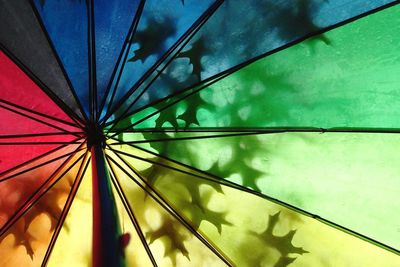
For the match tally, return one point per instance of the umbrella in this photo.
(199, 133)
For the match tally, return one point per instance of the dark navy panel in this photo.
(21, 34)
(241, 30)
(112, 22)
(67, 25)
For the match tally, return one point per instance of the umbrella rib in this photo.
(59, 61)
(235, 68)
(16, 106)
(250, 131)
(92, 61)
(181, 43)
(151, 190)
(37, 143)
(130, 212)
(267, 197)
(154, 67)
(43, 87)
(11, 136)
(36, 119)
(278, 49)
(181, 138)
(223, 75)
(33, 199)
(209, 177)
(165, 107)
(265, 130)
(125, 48)
(71, 196)
(33, 159)
(203, 84)
(40, 165)
(163, 203)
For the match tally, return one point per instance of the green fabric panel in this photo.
(351, 179)
(347, 77)
(250, 230)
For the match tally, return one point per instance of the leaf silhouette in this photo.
(152, 39)
(281, 243)
(170, 231)
(197, 50)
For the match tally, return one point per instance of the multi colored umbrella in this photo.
(199, 133)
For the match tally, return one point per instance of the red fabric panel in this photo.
(52, 137)
(18, 88)
(33, 231)
(14, 155)
(11, 155)
(42, 159)
(12, 123)
(15, 191)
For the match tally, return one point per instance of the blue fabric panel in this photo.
(67, 25)
(160, 26)
(112, 22)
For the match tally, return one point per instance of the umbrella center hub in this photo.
(95, 136)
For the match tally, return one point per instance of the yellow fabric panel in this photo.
(74, 243)
(135, 253)
(171, 243)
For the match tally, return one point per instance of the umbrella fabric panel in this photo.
(16, 86)
(75, 236)
(15, 122)
(160, 26)
(254, 219)
(24, 121)
(14, 155)
(320, 173)
(227, 217)
(18, 187)
(351, 82)
(41, 138)
(162, 137)
(112, 20)
(190, 188)
(226, 41)
(27, 110)
(66, 23)
(134, 252)
(26, 241)
(171, 243)
(14, 151)
(36, 159)
(21, 34)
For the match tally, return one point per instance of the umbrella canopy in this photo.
(199, 133)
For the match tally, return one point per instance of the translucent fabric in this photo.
(199, 133)
(311, 84)
(66, 24)
(222, 43)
